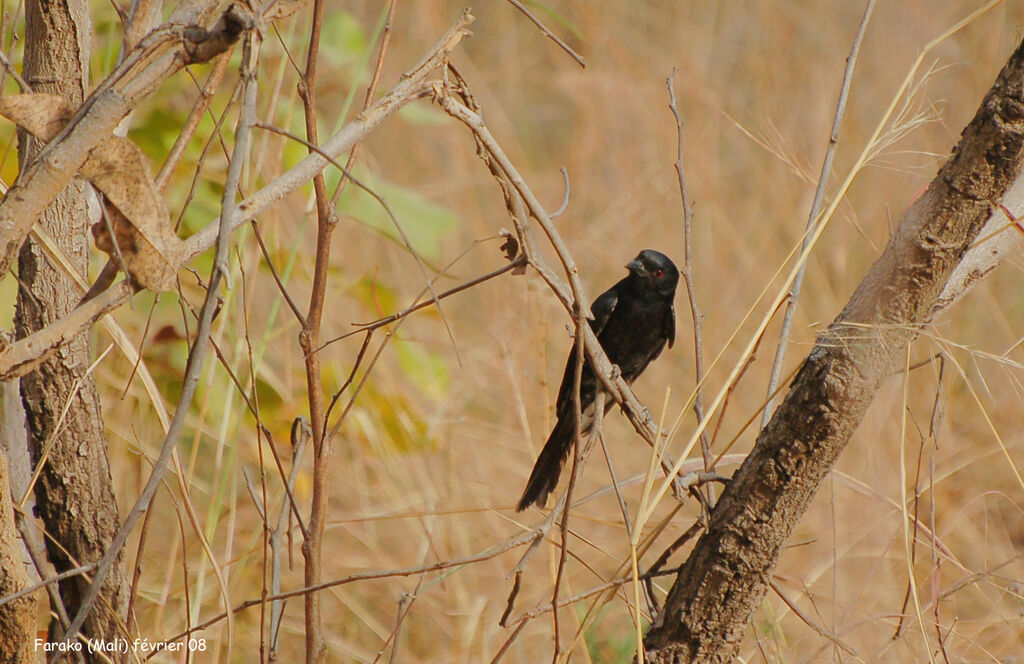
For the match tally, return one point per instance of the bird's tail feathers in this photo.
(547, 469)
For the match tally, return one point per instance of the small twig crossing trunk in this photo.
(729, 570)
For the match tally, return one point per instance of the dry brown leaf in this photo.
(148, 244)
(40, 114)
(134, 209)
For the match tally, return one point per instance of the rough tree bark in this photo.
(727, 574)
(17, 618)
(74, 494)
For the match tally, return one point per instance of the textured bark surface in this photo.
(17, 618)
(727, 574)
(74, 494)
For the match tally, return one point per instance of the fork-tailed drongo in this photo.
(633, 320)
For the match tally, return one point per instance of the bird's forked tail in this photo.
(544, 477)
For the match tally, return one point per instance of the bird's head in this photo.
(655, 271)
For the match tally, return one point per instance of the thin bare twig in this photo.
(309, 338)
(371, 89)
(527, 616)
(655, 567)
(204, 154)
(299, 435)
(25, 87)
(599, 402)
(404, 606)
(565, 194)
(508, 642)
(933, 433)
(351, 374)
(387, 320)
(691, 291)
(37, 554)
(810, 623)
(816, 205)
(137, 573)
(394, 220)
(547, 33)
(188, 130)
(511, 601)
(687, 269)
(277, 279)
(577, 467)
(56, 578)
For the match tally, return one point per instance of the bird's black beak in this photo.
(636, 267)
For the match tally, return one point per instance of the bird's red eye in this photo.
(658, 274)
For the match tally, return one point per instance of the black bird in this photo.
(633, 320)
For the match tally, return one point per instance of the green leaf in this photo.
(378, 297)
(424, 223)
(342, 39)
(428, 371)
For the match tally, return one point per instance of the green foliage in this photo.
(156, 130)
(343, 40)
(375, 296)
(386, 420)
(608, 639)
(428, 371)
(425, 223)
(107, 45)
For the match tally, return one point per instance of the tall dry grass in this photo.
(434, 452)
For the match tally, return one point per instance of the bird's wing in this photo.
(670, 325)
(602, 309)
(600, 312)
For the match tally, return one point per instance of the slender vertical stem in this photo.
(687, 271)
(309, 340)
(816, 205)
(371, 89)
(577, 464)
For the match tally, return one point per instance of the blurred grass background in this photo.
(434, 453)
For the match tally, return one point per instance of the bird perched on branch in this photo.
(633, 320)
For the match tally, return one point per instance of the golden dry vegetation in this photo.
(439, 441)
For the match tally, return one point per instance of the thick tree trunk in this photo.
(17, 618)
(728, 572)
(74, 494)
